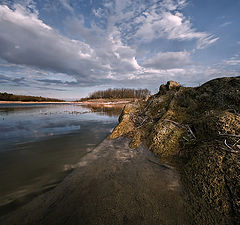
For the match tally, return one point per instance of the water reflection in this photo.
(110, 110)
(38, 141)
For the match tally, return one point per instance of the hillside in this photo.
(200, 129)
(11, 97)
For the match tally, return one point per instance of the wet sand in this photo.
(112, 184)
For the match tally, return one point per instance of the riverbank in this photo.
(106, 102)
(113, 184)
(94, 102)
(199, 128)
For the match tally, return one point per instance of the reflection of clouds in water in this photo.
(91, 155)
(108, 110)
(25, 123)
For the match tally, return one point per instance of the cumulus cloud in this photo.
(25, 39)
(105, 51)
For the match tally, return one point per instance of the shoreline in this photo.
(112, 184)
(88, 102)
(105, 101)
(21, 102)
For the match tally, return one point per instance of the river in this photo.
(41, 143)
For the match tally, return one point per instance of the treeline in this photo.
(119, 93)
(11, 97)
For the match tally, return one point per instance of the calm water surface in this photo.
(41, 143)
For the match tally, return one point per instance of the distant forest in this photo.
(11, 97)
(119, 93)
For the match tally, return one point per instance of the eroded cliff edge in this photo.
(200, 127)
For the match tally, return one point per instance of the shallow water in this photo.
(41, 143)
(113, 184)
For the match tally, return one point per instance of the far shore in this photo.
(101, 102)
(105, 101)
(21, 102)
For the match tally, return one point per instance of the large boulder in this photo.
(201, 126)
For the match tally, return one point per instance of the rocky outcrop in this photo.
(200, 127)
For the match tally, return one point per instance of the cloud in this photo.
(225, 24)
(232, 62)
(206, 41)
(105, 51)
(162, 19)
(66, 5)
(26, 40)
(168, 60)
(19, 81)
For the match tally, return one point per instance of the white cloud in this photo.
(21, 17)
(232, 62)
(41, 46)
(173, 27)
(163, 19)
(168, 60)
(104, 54)
(66, 5)
(225, 24)
(206, 41)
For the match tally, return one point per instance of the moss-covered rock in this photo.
(200, 126)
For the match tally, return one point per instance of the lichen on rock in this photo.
(201, 127)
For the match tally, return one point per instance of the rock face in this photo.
(200, 127)
(171, 85)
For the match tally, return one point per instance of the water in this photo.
(41, 143)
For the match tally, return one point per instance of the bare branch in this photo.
(236, 143)
(182, 126)
(189, 129)
(175, 123)
(229, 135)
(225, 142)
(232, 151)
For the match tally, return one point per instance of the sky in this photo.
(70, 48)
